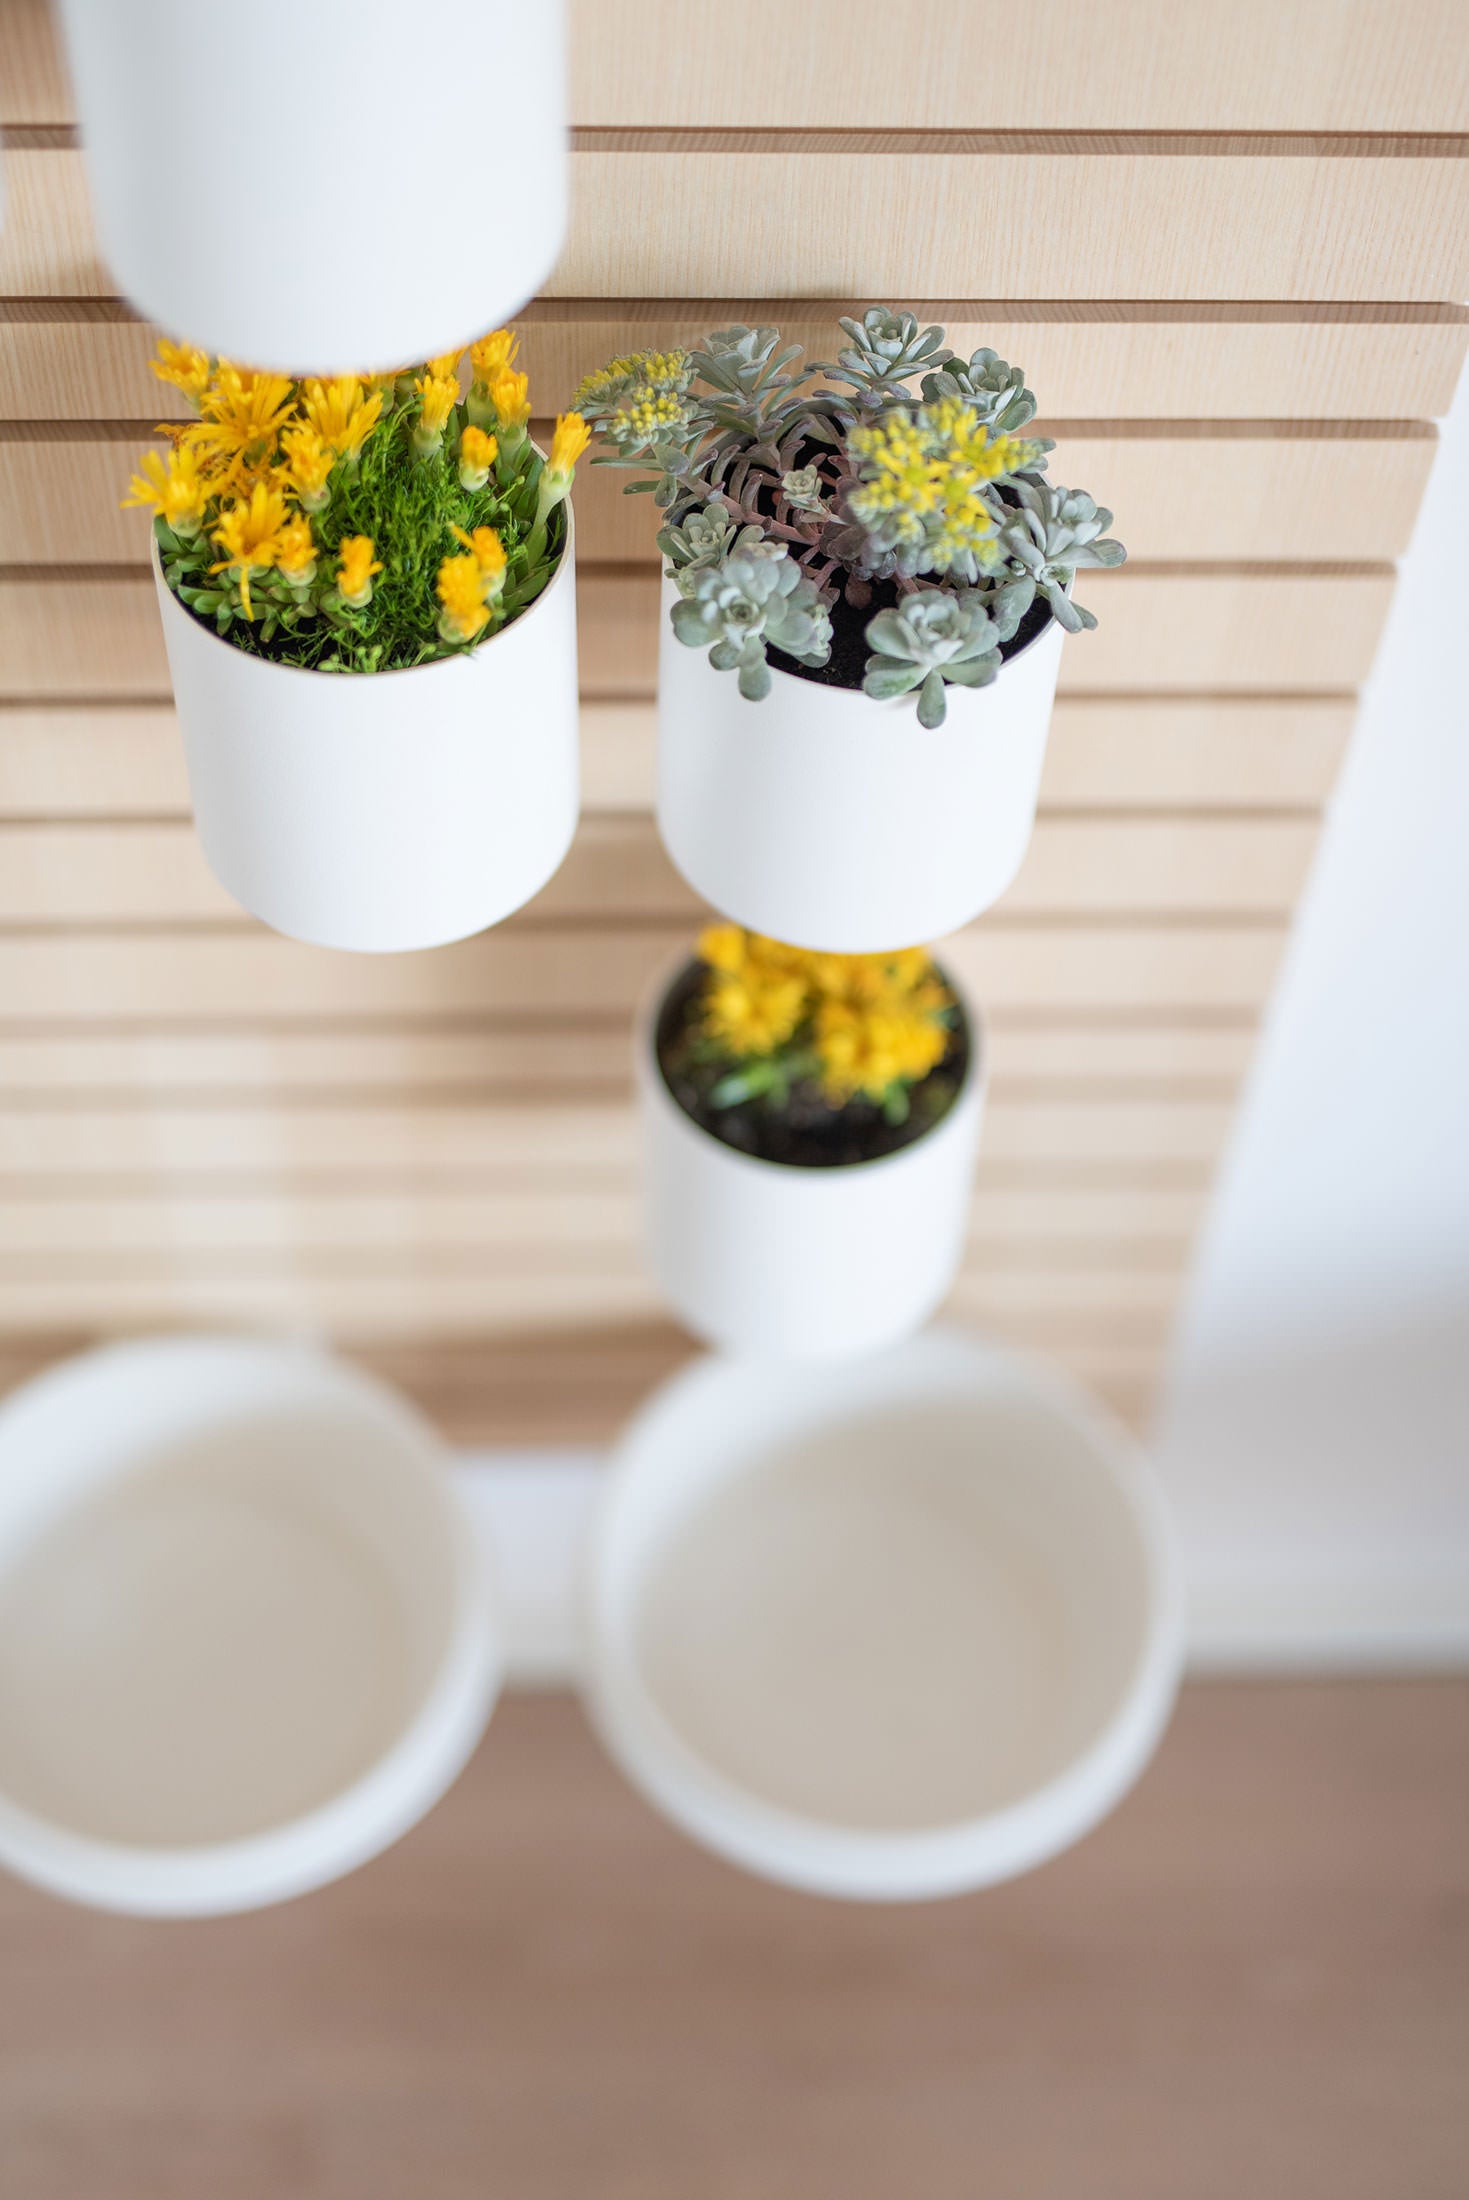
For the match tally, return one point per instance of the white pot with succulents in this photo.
(809, 1125)
(369, 606)
(340, 213)
(866, 593)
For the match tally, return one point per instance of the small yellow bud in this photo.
(355, 568)
(477, 454)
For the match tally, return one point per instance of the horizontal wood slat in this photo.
(1092, 222)
(1262, 65)
(1044, 1313)
(1141, 752)
(1331, 495)
(1087, 359)
(1037, 1223)
(617, 867)
(173, 977)
(1283, 627)
(145, 1064)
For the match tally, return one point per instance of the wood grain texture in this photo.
(1251, 1979)
(484, 1056)
(1087, 223)
(87, 361)
(229, 976)
(1133, 753)
(1270, 65)
(1281, 493)
(156, 873)
(1241, 629)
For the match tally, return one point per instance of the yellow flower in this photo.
(723, 947)
(477, 454)
(175, 489)
(440, 394)
(567, 444)
(355, 568)
(755, 1011)
(296, 551)
(870, 1050)
(342, 414)
(488, 552)
(309, 463)
(242, 414)
(460, 591)
(446, 366)
(184, 366)
(249, 533)
(492, 354)
(509, 396)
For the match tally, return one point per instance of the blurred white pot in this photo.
(247, 1637)
(288, 189)
(769, 1257)
(387, 810)
(828, 820)
(890, 1631)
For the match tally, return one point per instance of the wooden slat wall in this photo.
(1228, 248)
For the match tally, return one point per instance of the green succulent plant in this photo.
(865, 494)
(750, 602)
(1050, 533)
(935, 638)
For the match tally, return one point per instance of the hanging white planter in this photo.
(828, 820)
(387, 810)
(388, 188)
(247, 1636)
(792, 1262)
(888, 1632)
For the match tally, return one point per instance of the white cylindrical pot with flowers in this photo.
(369, 607)
(380, 189)
(810, 1124)
(866, 592)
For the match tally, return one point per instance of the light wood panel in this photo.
(484, 1057)
(1133, 359)
(1230, 490)
(1266, 65)
(225, 975)
(1133, 753)
(1115, 218)
(1240, 628)
(1115, 1224)
(156, 873)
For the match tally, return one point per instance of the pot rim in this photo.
(650, 1071)
(565, 564)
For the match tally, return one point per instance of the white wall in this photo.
(1315, 1433)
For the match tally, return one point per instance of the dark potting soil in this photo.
(849, 651)
(808, 1134)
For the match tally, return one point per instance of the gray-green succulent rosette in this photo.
(789, 499)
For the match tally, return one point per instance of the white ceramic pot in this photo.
(246, 1634)
(773, 1259)
(324, 192)
(387, 810)
(888, 1632)
(828, 820)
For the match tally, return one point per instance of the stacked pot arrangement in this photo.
(369, 605)
(866, 589)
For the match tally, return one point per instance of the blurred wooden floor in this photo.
(1254, 1982)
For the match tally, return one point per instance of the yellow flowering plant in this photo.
(837, 1048)
(360, 524)
(866, 534)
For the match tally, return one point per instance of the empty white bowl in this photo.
(889, 1630)
(246, 1636)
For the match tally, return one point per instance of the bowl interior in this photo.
(222, 1613)
(887, 1609)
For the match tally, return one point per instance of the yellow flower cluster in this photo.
(249, 475)
(869, 1022)
(923, 471)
